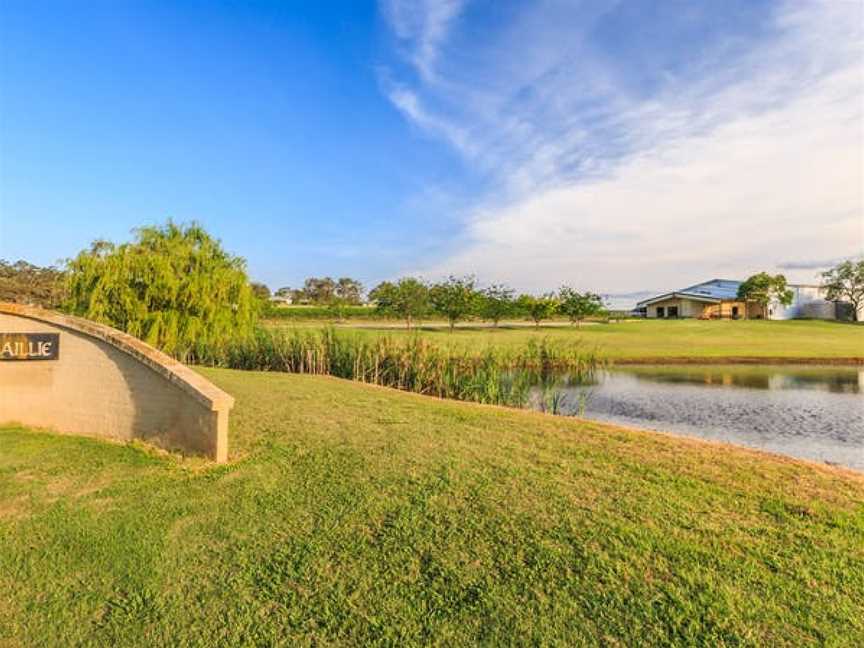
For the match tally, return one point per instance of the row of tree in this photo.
(460, 298)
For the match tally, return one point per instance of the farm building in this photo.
(718, 298)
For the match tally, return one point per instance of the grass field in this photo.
(356, 515)
(647, 339)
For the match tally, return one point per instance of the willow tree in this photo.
(173, 286)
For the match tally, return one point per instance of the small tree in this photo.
(845, 282)
(319, 290)
(538, 308)
(349, 291)
(496, 303)
(260, 290)
(456, 299)
(577, 306)
(407, 299)
(763, 288)
(173, 286)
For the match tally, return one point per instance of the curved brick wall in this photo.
(106, 383)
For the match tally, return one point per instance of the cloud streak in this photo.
(742, 159)
(422, 27)
(811, 264)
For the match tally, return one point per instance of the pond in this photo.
(809, 412)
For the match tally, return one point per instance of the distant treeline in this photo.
(24, 283)
(175, 287)
(317, 291)
(454, 299)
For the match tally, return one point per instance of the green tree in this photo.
(349, 291)
(497, 303)
(319, 290)
(407, 299)
(173, 286)
(577, 306)
(763, 288)
(845, 282)
(260, 290)
(537, 308)
(456, 298)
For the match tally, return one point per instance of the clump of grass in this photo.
(492, 375)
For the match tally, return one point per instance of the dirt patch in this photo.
(14, 508)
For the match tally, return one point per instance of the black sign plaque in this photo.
(29, 346)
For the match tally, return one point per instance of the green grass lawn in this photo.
(357, 515)
(646, 339)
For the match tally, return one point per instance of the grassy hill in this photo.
(357, 515)
(656, 339)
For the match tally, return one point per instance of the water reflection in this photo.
(838, 380)
(811, 412)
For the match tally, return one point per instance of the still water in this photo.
(809, 412)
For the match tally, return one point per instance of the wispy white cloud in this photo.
(422, 27)
(812, 264)
(410, 105)
(747, 158)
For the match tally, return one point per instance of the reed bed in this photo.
(496, 376)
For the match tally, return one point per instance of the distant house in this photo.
(718, 299)
(281, 300)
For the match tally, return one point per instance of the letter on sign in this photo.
(29, 346)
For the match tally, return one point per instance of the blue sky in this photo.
(616, 146)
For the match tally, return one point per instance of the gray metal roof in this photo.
(714, 290)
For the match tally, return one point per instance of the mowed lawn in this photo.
(653, 339)
(356, 515)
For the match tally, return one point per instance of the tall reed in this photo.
(490, 375)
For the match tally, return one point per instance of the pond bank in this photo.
(739, 360)
(813, 412)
